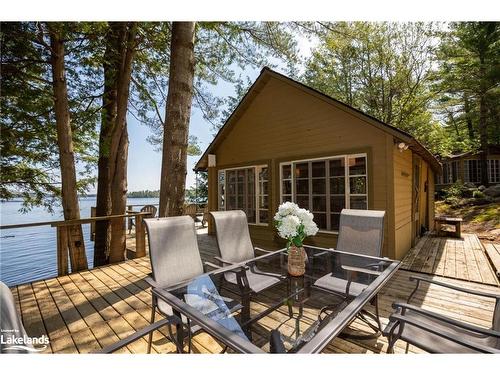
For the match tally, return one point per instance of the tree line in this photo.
(67, 89)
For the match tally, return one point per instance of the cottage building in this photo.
(466, 167)
(288, 142)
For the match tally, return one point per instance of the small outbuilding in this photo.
(286, 141)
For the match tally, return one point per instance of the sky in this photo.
(144, 163)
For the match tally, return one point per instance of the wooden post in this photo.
(140, 237)
(77, 256)
(92, 224)
(62, 251)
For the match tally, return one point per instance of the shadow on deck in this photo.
(85, 311)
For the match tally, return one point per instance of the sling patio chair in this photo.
(11, 324)
(436, 333)
(147, 208)
(235, 246)
(175, 258)
(361, 232)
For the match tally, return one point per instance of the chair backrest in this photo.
(10, 321)
(173, 249)
(190, 209)
(150, 208)
(233, 237)
(361, 232)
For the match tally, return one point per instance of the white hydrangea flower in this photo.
(289, 226)
(310, 228)
(294, 223)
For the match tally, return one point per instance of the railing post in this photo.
(62, 251)
(140, 237)
(93, 211)
(77, 256)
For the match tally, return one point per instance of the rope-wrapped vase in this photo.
(297, 258)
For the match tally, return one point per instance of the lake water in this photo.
(29, 254)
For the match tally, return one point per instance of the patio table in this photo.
(307, 316)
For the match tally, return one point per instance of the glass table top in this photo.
(242, 304)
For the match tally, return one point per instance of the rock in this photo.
(481, 188)
(492, 191)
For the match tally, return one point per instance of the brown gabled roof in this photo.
(266, 74)
(492, 150)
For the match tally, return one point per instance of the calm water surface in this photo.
(28, 254)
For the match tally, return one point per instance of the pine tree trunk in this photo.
(178, 113)
(64, 134)
(468, 119)
(113, 142)
(120, 139)
(483, 125)
(69, 193)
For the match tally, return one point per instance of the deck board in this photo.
(463, 259)
(92, 309)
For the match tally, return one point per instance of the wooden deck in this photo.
(88, 310)
(459, 258)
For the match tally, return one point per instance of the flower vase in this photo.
(297, 258)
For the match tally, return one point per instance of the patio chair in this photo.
(175, 257)
(190, 210)
(436, 333)
(361, 232)
(10, 323)
(206, 214)
(235, 246)
(147, 208)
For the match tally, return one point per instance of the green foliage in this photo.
(455, 192)
(383, 69)
(29, 161)
(469, 69)
(477, 194)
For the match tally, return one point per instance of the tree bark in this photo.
(483, 124)
(178, 113)
(468, 118)
(69, 192)
(64, 134)
(113, 142)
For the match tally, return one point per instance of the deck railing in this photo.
(70, 244)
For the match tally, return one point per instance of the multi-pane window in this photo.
(494, 171)
(326, 186)
(450, 172)
(472, 171)
(245, 189)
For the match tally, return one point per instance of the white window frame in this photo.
(494, 171)
(347, 187)
(258, 194)
(467, 171)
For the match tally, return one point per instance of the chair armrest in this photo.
(405, 306)
(223, 261)
(402, 319)
(465, 290)
(210, 264)
(263, 250)
(361, 270)
(152, 283)
(135, 336)
(256, 271)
